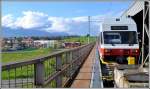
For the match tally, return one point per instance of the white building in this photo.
(44, 43)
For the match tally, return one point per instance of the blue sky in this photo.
(65, 9)
(62, 10)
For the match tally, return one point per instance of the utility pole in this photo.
(89, 30)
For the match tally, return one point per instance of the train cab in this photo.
(118, 40)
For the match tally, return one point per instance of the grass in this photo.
(82, 39)
(28, 71)
(33, 53)
(29, 49)
(20, 73)
(24, 55)
(29, 53)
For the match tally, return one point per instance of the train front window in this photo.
(120, 37)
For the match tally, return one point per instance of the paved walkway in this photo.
(84, 77)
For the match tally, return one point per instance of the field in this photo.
(27, 54)
(82, 39)
(24, 71)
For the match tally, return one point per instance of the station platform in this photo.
(87, 76)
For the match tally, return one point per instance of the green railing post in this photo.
(39, 74)
(68, 61)
(58, 68)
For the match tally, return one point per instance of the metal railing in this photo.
(55, 70)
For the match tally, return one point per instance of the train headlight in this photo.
(135, 50)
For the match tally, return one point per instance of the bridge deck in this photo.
(84, 77)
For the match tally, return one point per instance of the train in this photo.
(118, 41)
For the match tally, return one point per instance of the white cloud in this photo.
(58, 24)
(80, 19)
(42, 21)
(7, 21)
(32, 20)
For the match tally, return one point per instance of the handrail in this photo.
(40, 59)
(47, 69)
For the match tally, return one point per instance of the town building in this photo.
(44, 43)
(29, 42)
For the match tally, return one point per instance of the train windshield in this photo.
(120, 37)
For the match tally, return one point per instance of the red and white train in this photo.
(118, 40)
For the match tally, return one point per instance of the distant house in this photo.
(71, 44)
(44, 43)
(52, 43)
(11, 44)
(29, 42)
(2, 43)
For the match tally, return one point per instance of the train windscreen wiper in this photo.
(131, 44)
(112, 44)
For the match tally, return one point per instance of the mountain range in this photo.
(7, 32)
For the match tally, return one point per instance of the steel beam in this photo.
(143, 33)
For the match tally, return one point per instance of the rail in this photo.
(55, 70)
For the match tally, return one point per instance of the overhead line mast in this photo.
(89, 30)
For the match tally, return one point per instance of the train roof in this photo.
(118, 24)
(118, 21)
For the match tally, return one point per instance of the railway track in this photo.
(107, 76)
